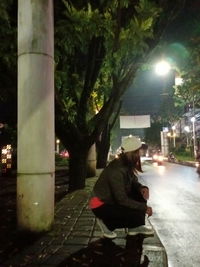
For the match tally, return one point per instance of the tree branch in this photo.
(96, 53)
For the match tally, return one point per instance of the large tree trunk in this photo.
(103, 144)
(77, 169)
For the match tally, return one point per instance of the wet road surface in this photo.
(175, 198)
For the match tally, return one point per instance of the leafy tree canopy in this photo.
(8, 71)
(119, 38)
(99, 47)
(189, 91)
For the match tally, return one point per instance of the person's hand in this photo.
(145, 192)
(149, 211)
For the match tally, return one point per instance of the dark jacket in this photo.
(115, 184)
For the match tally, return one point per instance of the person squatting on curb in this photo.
(118, 199)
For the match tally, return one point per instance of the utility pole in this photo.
(36, 141)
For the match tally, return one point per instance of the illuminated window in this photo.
(8, 166)
(3, 160)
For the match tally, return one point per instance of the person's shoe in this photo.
(106, 232)
(145, 230)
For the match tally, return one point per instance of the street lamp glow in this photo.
(173, 127)
(193, 119)
(162, 68)
(187, 129)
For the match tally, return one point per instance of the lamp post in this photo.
(57, 146)
(162, 68)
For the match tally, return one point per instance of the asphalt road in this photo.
(175, 198)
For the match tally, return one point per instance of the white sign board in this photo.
(133, 122)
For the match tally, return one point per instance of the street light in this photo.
(57, 146)
(162, 68)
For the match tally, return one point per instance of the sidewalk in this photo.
(75, 240)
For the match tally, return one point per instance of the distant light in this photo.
(162, 68)
(165, 129)
(187, 129)
(4, 151)
(173, 127)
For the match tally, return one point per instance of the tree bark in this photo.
(77, 169)
(103, 144)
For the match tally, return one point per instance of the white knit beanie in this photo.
(131, 143)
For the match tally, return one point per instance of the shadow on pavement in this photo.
(105, 252)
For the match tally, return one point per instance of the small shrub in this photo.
(61, 161)
(184, 155)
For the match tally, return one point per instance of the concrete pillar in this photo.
(36, 140)
(91, 161)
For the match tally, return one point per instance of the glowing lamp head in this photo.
(162, 68)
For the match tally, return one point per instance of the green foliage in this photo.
(189, 91)
(184, 155)
(129, 42)
(60, 161)
(121, 28)
(8, 65)
(8, 34)
(170, 111)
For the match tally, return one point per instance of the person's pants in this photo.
(116, 216)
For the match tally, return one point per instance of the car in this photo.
(158, 158)
(64, 153)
